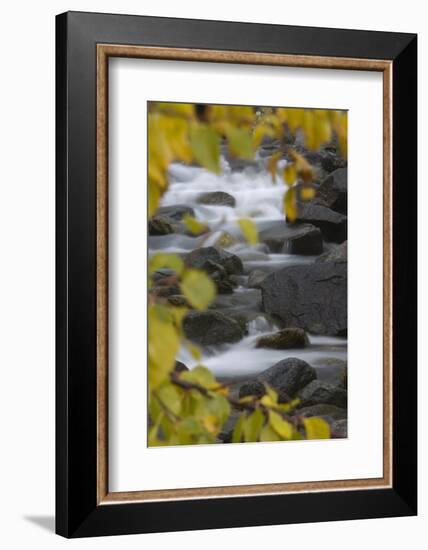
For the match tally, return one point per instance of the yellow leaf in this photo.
(153, 197)
(171, 397)
(272, 164)
(193, 225)
(304, 169)
(283, 428)
(290, 204)
(205, 145)
(290, 174)
(164, 260)
(307, 193)
(316, 428)
(210, 423)
(198, 288)
(260, 131)
(249, 230)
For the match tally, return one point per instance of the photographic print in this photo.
(247, 286)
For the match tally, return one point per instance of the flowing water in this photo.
(260, 198)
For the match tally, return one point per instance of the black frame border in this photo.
(77, 512)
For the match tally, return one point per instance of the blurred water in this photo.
(259, 197)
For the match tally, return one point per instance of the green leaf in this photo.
(200, 376)
(283, 428)
(249, 230)
(240, 143)
(171, 397)
(238, 429)
(316, 428)
(164, 343)
(193, 225)
(205, 145)
(253, 425)
(161, 261)
(268, 434)
(198, 288)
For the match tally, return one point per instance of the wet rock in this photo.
(304, 239)
(253, 388)
(165, 291)
(338, 254)
(333, 191)
(287, 338)
(255, 278)
(339, 428)
(200, 256)
(217, 198)
(178, 300)
(324, 410)
(288, 375)
(160, 226)
(333, 225)
(333, 371)
(175, 212)
(211, 327)
(320, 393)
(312, 297)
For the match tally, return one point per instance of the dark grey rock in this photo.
(287, 338)
(217, 198)
(199, 257)
(338, 253)
(175, 212)
(320, 393)
(253, 388)
(255, 278)
(178, 300)
(336, 413)
(288, 375)
(180, 367)
(301, 239)
(333, 191)
(333, 226)
(339, 428)
(333, 371)
(160, 226)
(312, 297)
(211, 327)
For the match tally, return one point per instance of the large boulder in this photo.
(333, 191)
(312, 297)
(337, 254)
(286, 377)
(287, 338)
(208, 328)
(200, 257)
(255, 278)
(333, 225)
(301, 239)
(217, 198)
(175, 212)
(322, 393)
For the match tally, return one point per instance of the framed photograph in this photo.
(236, 274)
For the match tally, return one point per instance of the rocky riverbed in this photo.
(280, 315)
